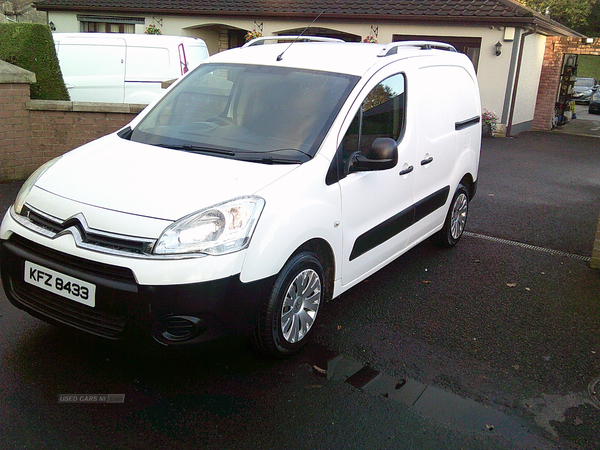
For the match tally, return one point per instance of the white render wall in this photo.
(493, 71)
(65, 22)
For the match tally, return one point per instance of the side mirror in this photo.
(382, 155)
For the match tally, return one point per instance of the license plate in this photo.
(60, 284)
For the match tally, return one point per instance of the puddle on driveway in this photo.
(433, 403)
(552, 408)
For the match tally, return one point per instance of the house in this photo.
(505, 40)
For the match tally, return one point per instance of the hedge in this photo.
(31, 47)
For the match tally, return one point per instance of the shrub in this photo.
(31, 47)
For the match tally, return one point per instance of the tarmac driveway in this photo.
(501, 335)
(541, 189)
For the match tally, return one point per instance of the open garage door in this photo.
(324, 32)
(470, 46)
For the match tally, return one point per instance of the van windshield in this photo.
(257, 113)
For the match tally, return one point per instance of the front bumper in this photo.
(172, 314)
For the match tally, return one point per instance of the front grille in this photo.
(87, 238)
(78, 264)
(70, 313)
(42, 222)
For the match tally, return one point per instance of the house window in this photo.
(108, 24)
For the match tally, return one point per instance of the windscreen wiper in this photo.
(271, 157)
(271, 160)
(198, 149)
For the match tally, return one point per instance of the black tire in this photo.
(456, 219)
(289, 315)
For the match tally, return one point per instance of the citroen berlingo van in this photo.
(267, 181)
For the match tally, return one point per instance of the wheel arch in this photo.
(468, 182)
(324, 252)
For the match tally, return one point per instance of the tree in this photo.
(592, 29)
(378, 96)
(574, 14)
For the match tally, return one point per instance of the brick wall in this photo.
(35, 131)
(556, 48)
(57, 127)
(15, 148)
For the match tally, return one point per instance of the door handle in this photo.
(427, 161)
(409, 169)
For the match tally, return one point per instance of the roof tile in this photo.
(475, 8)
(397, 10)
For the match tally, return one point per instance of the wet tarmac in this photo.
(494, 344)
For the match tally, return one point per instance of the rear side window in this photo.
(381, 114)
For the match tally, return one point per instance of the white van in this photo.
(124, 68)
(265, 182)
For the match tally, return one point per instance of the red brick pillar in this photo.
(15, 137)
(549, 83)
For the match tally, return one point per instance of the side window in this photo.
(380, 115)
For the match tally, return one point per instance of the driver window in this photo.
(381, 114)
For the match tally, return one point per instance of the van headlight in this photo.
(220, 229)
(29, 183)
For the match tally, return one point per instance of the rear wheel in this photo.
(456, 219)
(289, 314)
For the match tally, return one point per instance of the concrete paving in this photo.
(584, 125)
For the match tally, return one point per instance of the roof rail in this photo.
(261, 40)
(392, 49)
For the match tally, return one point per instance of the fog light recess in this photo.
(181, 328)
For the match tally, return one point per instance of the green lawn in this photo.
(588, 66)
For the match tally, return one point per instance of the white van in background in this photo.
(124, 68)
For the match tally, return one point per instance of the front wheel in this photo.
(290, 312)
(455, 222)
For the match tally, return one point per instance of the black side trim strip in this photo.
(467, 123)
(382, 232)
(399, 222)
(430, 203)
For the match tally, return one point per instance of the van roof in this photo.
(131, 39)
(343, 57)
